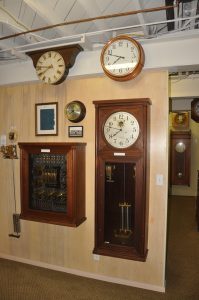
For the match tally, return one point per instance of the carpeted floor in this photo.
(24, 282)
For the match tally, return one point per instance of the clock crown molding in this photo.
(69, 54)
(120, 102)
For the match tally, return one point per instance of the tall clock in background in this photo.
(122, 178)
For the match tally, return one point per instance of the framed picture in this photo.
(180, 120)
(46, 118)
(75, 131)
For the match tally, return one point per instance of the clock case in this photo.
(69, 54)
(137, 158)
(135, 72)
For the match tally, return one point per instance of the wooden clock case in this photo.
(137, 156)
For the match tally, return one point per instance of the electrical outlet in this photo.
(96, 257)
(3, 140)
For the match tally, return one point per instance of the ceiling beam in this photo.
(46, 13)
(94, 10)
(141, 19)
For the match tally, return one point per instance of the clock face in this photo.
(75, 111)
(50, 67)
(121, 129)
(120, 58)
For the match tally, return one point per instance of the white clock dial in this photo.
(50, 67)
(121, 129)
(121, 57)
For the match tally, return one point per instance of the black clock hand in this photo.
(113, 128)
(116, 60)
(119, 56)
(46, 69)
(116, 132)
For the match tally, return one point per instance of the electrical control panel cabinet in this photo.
(52, 178)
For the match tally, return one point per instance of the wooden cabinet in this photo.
(180, 157)
(122, 178)
(52, 178)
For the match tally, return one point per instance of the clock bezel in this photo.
(194, 114)
(103, 126)
(82, 111)
(135, 71)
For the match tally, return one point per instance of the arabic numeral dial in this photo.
(121, 129)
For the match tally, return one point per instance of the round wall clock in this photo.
(121, 129)
(195, 110)
(50, 67)
(122, 58)
(75, 111)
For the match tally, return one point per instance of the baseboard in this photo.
(86, 274)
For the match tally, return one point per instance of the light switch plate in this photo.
(159, 179)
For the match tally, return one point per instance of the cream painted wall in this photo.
(72, 247)
(188, 87)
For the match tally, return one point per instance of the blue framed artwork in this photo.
(46, 118)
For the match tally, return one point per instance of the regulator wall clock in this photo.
(122, 58)
(122, 170)
(52, 65)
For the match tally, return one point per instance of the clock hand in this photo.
(119, 56)
(116, 60)
(114, 128)
(116, 133)
(46, 67)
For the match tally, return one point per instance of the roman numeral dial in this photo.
(50, 67)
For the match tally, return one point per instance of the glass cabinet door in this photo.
(119, 204)
(47, 184)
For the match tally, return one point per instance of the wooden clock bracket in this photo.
(69, 54)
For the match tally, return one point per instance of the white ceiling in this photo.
(20, 16)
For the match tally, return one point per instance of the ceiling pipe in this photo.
(154, 9)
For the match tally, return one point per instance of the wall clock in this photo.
(195, 110)
(122, 58)
(75, 111)
(52, 65)
(122, 178)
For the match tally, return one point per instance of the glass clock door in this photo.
(119, 205)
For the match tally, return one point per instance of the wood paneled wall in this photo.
(72, 247)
